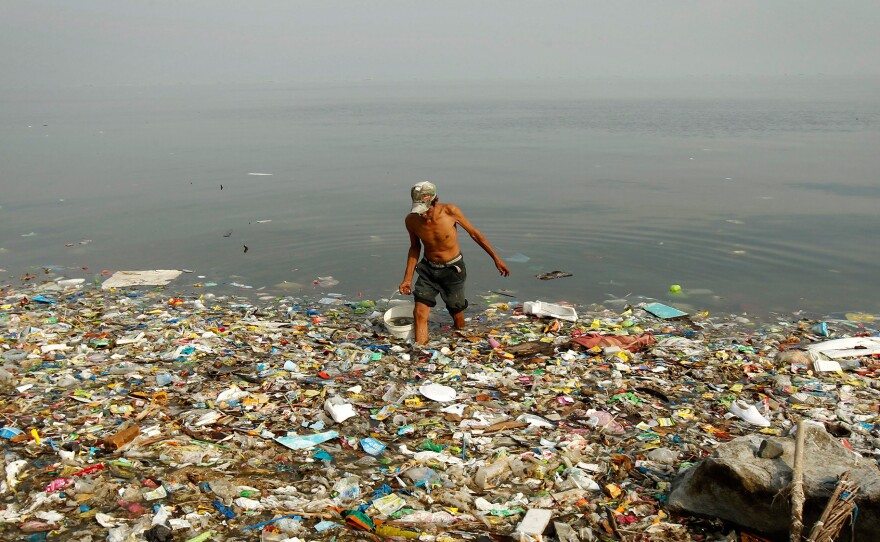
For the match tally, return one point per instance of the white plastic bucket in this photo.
(400, 311)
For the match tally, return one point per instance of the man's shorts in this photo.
(446, 279)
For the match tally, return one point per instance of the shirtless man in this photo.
(433, 225)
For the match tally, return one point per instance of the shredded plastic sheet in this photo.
(155, 277)
(626, 342)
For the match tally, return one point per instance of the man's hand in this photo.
(405, 287)
(502, 268)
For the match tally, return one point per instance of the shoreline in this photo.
(221, 392)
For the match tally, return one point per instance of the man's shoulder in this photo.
(449, 208)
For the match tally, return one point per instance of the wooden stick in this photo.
(837, 512)
(613, 522)
(797, 486)
(823, 521)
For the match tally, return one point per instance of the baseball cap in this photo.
(423, 194)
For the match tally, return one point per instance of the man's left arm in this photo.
(480, 239)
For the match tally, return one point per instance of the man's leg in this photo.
(453, 293)
(458, 320)
(424, 294)
(420, 315)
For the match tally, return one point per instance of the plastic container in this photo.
(404, 310)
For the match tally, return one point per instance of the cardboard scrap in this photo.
(505, 425)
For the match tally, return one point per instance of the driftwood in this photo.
(530, 348)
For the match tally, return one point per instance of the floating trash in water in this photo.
(554, 275)
(325, 282)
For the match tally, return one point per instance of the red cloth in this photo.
(626, 342)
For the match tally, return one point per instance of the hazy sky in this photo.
(76, 42)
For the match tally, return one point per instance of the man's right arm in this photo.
(412, 257)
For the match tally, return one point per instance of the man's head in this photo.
(423, 194)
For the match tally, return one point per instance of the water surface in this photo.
(755, 195)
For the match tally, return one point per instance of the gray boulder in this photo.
(737, 485)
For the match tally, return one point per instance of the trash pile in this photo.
(135, 415)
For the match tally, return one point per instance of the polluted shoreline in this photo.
(139, 412)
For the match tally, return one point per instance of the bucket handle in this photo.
(388, 303)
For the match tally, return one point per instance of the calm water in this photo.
(754, 195)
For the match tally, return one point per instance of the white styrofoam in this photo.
(550, 310)
(534, 522)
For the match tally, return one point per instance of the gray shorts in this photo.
(446, 279)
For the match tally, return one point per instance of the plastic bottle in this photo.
(488, 472)
(422, 475)
(122, 368)
(346, 489)
(664, 456)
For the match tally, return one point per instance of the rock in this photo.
(737, 485)
(769, 450)
(159, 533)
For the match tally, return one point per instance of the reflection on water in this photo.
(754, 196)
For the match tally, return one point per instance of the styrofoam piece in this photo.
(339, 411)
(550, 310)
(849, 347)
(534, 522)
(827, 366)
